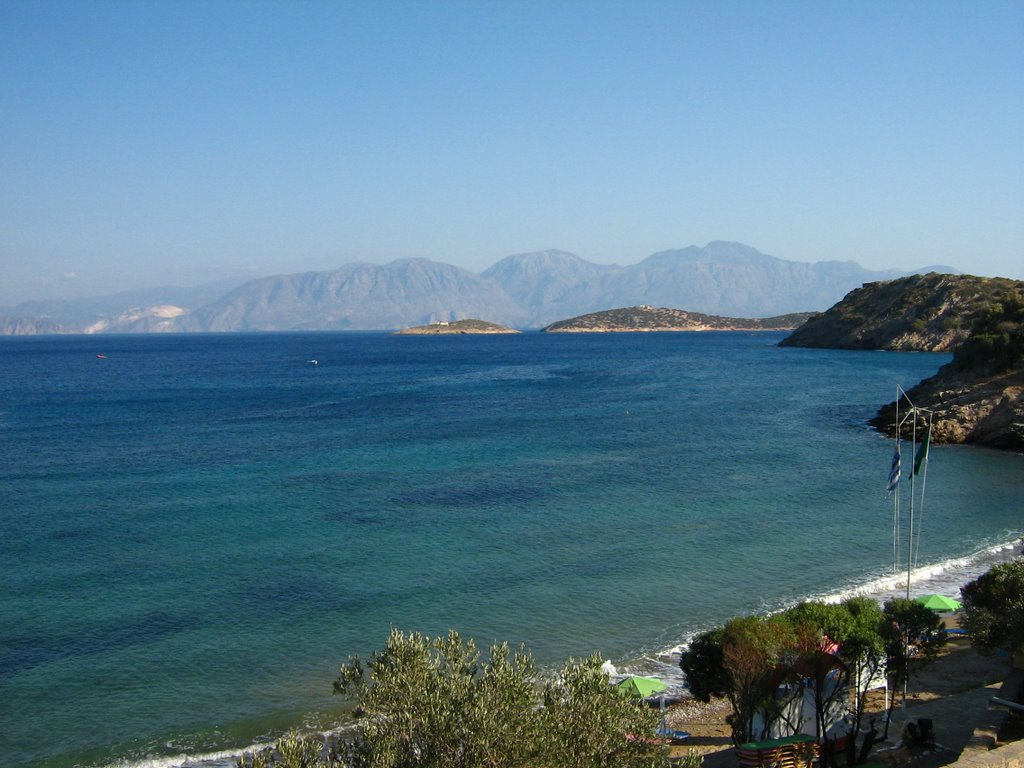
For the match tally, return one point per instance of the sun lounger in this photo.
(672, 734)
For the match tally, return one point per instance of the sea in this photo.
(199, 530)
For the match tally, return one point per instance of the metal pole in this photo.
(896, 498)
(910, 527)
(1004, 703)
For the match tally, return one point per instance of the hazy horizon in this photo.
(241, 278)
(180, 143)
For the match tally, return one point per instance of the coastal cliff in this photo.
(29, 326)
(978, 397)
(647, 318)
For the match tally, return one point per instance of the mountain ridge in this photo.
(529, 290)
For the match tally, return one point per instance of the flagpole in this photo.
(896, 491)
(921, 459)
(910, 526)
(894, 483)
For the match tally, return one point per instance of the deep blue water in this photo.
(198, 530)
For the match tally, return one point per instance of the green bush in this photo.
(994, 608)
(435, 703)
(996, 343)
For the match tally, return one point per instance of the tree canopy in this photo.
(765, 665)
(913, 637)
(994, 608)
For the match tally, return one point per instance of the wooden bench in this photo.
(789, 752)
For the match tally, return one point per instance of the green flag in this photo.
(922, 452)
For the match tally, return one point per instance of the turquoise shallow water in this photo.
(199, 529)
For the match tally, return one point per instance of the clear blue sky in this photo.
(148, 143)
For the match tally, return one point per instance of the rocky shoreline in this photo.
(987, 411)
(978, 397)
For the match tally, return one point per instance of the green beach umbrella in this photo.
(641, 687)
(939, 602)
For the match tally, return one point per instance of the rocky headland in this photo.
(647, 318)
(457, 327)
(978, 397)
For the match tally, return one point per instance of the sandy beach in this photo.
(954, 692)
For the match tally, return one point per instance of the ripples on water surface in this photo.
(198, 530)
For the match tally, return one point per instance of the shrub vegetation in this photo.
(994, 609)
(435, 703)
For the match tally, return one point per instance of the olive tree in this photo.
(434, 702)
(424, 701)
(586, 722)
(293, 750)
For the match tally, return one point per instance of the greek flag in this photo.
(894, 471)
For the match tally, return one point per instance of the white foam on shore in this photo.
(220, 759)
(227, 758)
(945, 577)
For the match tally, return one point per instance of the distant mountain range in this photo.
(529, 290)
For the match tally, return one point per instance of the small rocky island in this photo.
(978, 397)
(647, 318)
(457, 327)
